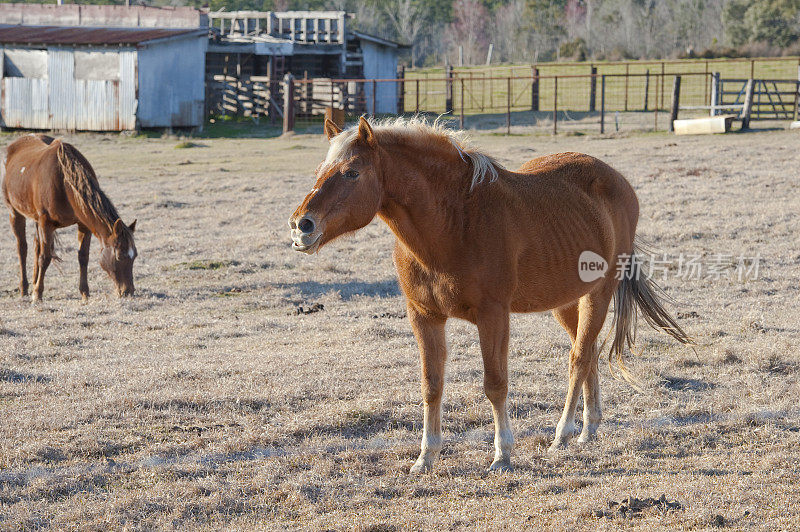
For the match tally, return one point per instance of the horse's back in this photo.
(581, 172)
(31, 175)
(28, 146)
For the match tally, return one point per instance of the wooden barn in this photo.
(99, 78)
(253, 49)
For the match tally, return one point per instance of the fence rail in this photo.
(507, 100)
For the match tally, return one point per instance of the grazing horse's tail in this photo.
(637, 291)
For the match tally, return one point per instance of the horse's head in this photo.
(117, 256)
(348, 191)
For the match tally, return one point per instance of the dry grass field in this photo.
(212, 400)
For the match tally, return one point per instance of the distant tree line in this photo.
(524, 30)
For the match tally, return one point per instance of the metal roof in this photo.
(379, 40)
(18, 34)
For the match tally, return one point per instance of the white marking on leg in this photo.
(431, 444)
(503, 437)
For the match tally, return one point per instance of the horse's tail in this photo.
(81, 179)
(638, 292)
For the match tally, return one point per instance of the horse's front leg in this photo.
(84, 239)
(429, 331)
(44, 256)
(493, 331)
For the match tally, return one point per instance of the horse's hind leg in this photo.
(592, 310)
(85, 239)
(45, 255)
(18, 225)
(592, 411)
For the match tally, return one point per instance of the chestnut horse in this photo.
(476, 241)
(50, 182)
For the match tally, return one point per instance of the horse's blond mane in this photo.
(417, 128)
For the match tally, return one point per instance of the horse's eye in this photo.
(351, 174)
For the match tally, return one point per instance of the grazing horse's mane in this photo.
(418, 131)
(80, 177)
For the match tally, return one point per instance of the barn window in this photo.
(97, 65)
(25, 64)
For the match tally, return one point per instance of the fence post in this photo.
(660, 102)
(627, 72)
(797, 96)
(508, 105)
(417, 95)
(288, 103)
(655, 107)
(401, 85)
(603, 104)
(555, 105)
(714, 93)
(448, 89)
(461, 125)
(646, 87)
(535, 88)
(374, 91)
(593, 90)
(676, 101)
(748, 103)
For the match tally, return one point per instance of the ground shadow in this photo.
(347, 290)
(9, 375)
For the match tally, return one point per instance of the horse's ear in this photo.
(132, 227)
(331, 129)
(365, 132)
(117, 229)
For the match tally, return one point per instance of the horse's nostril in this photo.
(306, 225)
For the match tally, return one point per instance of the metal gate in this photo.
(773, 99)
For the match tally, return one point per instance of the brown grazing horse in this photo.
(50, 182)
(476, 241)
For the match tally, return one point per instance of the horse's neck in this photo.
(426, 218)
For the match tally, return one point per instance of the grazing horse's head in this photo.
(117, 256)
(348, 191)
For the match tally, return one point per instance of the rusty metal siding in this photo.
(61, 75)
(127, 90)
(25, 103)
(172, 83)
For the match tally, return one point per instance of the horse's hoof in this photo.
(500, 466)
(557, 446)
(586, 438)
(420, 467)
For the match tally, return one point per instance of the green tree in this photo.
(771, 21)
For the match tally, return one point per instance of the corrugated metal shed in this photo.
(101, 79)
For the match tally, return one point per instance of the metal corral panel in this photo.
(172, 83)
(25, 103)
